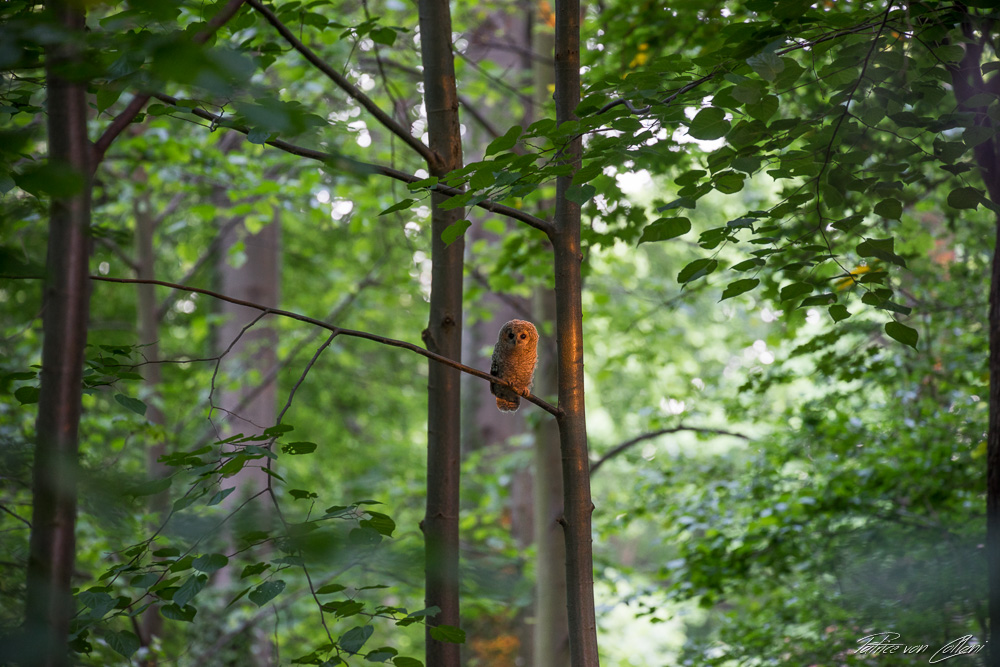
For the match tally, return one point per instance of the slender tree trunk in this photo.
(249, 407)
(67, 294)
(149, 326)
(551, 632)
(578, 506)
(444, 336)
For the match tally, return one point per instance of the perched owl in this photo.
(514, 358)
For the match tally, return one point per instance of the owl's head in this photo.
(518, 333)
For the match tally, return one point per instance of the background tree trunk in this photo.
(67, 295)
(251, 407)
(149, 333)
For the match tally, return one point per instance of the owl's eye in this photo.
(510, 334)
(523, 336)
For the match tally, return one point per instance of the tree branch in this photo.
(334, 161)
(122, 120)
(551, 409)
(420, 147)
(655, 434)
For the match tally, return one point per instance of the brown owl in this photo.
(514, 358)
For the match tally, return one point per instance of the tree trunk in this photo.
(967, 81)
(67, 295)
(251, 408)
(569, 320)
(551, 632)
(149, 326)
(443, 336)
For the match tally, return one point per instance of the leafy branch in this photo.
(420, 147)
(334, 161)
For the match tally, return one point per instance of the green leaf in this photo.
(381, 654)
(266, 592)
(299, 448)
(710, 123)
(481, 179)
(738, 287)
(504, 143)
(106, 96)
(330, 588)
(889, 208)
(352, 640)
(728, 182)
(398, 206)
(697, 269)
(819, 300)
(220, 496)
(882, 249)
(209, 563)
(26, 395)
(407, 662)
(277, 430)
(902, 333)
(747, 264)
(380, 522)
(133, 404)
(964, 198)
(258, 135)
(795, 290)
(763, 109)
(454, 231)
(767, 65)
(190, 588)
(839, 312)
(977, 134)
(255, 568)
(123, 643)
(448, 633)
(664, 229)
(581, 194)
(177, 613)
(383, 35)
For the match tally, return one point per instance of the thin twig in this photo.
(16, 516)
(655, 434)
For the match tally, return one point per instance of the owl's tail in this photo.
(508, 405)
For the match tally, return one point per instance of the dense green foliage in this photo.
(788, 240)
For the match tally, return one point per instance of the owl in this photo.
(514, 358)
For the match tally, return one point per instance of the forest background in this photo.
(782, 291)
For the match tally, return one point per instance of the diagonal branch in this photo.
(123, 119)
(345, 85)
(551, 409)
(340, 161)
(655, 434)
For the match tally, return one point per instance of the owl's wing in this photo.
(495, 372)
